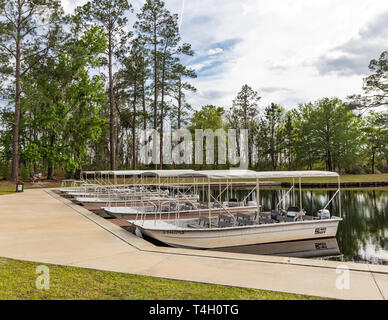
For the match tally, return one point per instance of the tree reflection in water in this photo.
(362, 236)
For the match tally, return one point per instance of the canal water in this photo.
(362, 235)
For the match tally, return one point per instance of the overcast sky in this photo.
(291, 51)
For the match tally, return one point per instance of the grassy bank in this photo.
(351, 178)
(18, 282)
(7, 187)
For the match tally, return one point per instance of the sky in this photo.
(290, 51)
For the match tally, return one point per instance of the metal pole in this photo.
(208, 190)
(258, 196)
(227, 190)
(300, 194)
(339, 196)
(293, 192)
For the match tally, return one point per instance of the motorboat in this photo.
(236, 228)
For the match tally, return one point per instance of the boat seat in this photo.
(194, 226)
(224, 224)
(287, 219)
(265, 221)
(233, 204)
(265, 215)
(205, 222)
(254, 216)
(243, 219)
(308, 218)
(225, 221)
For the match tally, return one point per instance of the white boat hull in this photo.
(239, 236)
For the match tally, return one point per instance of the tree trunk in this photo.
(373, 161)
(144, 105)
(273, 151)
(162, 110)
(155, 91)
(111, 106)
(329, 164)
(179, 102)
(50, 170)
(15, 135)
(134, 126)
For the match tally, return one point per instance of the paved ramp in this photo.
(39, 225)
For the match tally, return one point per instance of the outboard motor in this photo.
(324, 214)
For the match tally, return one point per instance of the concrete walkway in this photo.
(39, 225)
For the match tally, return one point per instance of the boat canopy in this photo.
(295, 174)
(222, 174)
(116, 172)
(218, 174)
(248, 174)
(168, 173)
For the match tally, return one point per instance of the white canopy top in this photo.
(222, 174)
(295, 174)
(219, 174)
(168, 173)
(248, 174)
(116, 172)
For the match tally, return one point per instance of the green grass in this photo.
(350, 178)
(7, 187)
(18, 282)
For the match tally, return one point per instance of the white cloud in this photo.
(215, 51)
(280, 42)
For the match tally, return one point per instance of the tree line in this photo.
(76, 87)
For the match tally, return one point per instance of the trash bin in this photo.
(19, 186)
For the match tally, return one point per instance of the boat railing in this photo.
(224, 209)
(142, 214)
(253, 190)
(331, 200)
(284, 197)
(184, 196)
(225, 189)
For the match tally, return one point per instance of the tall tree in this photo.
(375, 85)
(245, 111)
(150, 24)
(181, 108)
(376, 132)
(62, 103)
(111, 15)
(131, 81)
(208, 117)
(28, 30)
(287, 143)
(169, 60)
(158, 28)
(273, 115)
(327, 131)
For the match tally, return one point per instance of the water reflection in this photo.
(361, 237)
(297, 249)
